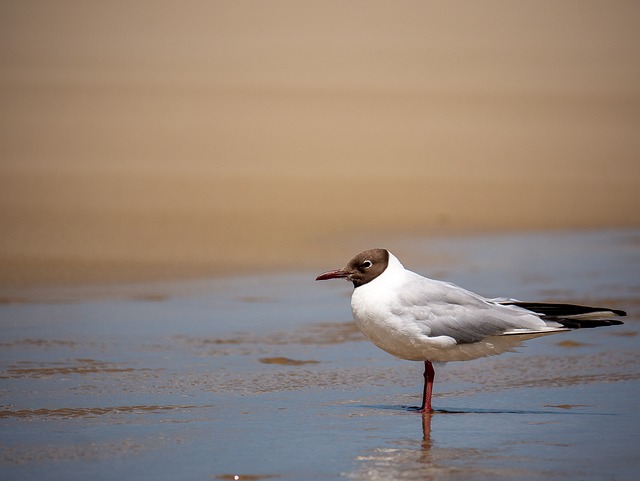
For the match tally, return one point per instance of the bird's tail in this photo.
(571, 316)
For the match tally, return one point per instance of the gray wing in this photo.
(444, 309)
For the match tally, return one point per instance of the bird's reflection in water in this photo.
(426, 438)
(403, 460)
(408, 460)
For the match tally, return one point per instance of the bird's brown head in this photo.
(362, 269)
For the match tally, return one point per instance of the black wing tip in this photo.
(581, 324)
(561, 309)
(568, 315)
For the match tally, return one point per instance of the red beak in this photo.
(337, 274)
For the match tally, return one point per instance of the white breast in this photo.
(373, 306)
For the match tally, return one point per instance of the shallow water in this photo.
(265, 377)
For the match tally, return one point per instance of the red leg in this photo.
(429, 375)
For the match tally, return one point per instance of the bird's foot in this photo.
(420, 409)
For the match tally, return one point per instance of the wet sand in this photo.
(219, 137)
(266, 377)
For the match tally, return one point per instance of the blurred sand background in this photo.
(155, 139)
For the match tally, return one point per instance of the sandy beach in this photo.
(159, 141)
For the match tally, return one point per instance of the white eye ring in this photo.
(366, 264)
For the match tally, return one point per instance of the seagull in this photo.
(420, 319)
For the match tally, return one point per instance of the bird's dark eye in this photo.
(366, 264)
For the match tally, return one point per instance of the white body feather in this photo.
(418, 319)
